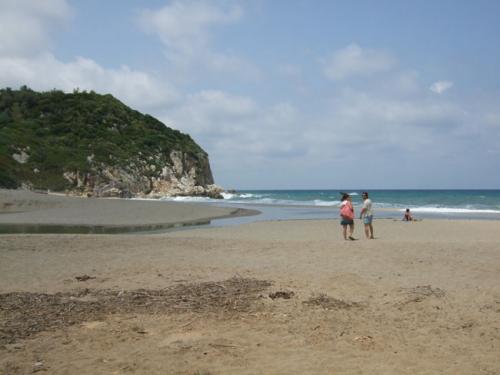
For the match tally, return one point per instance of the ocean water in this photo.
(318, 204)
(445, 201)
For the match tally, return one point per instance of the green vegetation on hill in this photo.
(51, 133)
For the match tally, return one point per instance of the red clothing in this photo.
(346, 210)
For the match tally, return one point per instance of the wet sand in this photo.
(24, 207)
(289, 297)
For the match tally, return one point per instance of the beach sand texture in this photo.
(264, 298)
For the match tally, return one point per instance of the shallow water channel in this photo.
(95, 229)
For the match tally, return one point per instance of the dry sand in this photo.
(422, 298)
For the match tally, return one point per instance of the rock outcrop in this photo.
(183, 176)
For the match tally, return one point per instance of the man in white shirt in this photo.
(367, 215)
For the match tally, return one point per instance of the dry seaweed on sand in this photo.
(24, 314)
(84, 278)
(427, 291)
(421, 292)
(327, 302)
(285, 294)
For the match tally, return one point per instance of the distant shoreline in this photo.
(23, 211)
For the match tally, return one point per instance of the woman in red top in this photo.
(347, 216)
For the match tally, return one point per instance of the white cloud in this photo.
(392, 110)
(45, 72)
(280, 141)
(218, 120)
(227, 125)
(353, 61)
(216, 105)
(441, 86)
(186, 27)
(25, 59)
(25, 25)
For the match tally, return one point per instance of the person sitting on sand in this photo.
(407, 216)
(347, 216)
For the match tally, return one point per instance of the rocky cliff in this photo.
(90, 144)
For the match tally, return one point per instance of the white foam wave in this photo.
(228, 196)
(393, 206)
(232, 196)
(141, 199)
(286, 202)
(318, 202)
(258, 199)
(188, 199)
(248, 195)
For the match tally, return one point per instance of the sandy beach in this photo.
(281, 297)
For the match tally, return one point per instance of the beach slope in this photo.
(287, 297)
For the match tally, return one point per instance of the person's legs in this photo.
(344, 231)
(368, 226)
(351, 230)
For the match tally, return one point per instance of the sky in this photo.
(286, 94)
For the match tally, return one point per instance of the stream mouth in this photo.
(94, 229)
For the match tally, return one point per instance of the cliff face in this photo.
(182, 175)
(90, 144)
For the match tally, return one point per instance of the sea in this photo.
(277, 205)
(387, 204)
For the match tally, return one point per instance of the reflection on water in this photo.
(94, 229)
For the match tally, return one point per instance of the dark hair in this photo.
(344, 196)
(407, 210)
(365, 193)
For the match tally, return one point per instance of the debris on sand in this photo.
(84, 277)
(282, 294)
(367, 342)
(24, 314)
(427, 291)
(326, 302)
(421, 292)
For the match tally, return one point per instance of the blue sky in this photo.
(286, 94)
